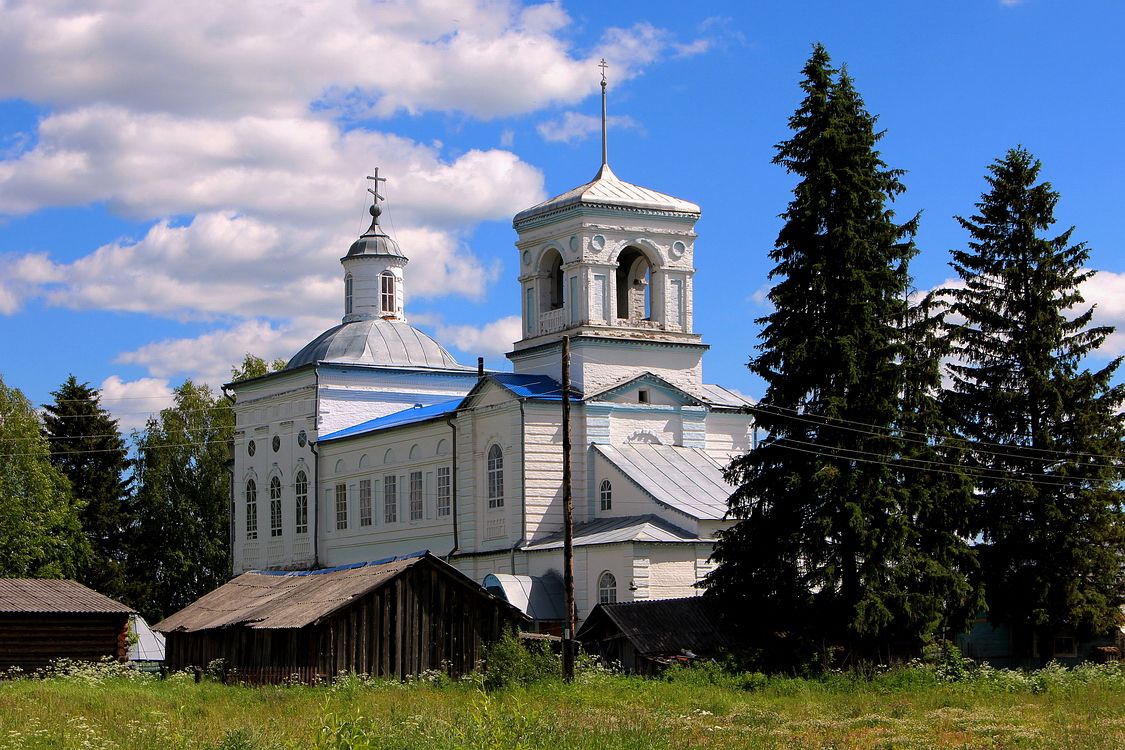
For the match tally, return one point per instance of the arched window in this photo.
(634, 286)
(251, 509)
(606, 495)
(387, 292)
(348, 294)
(607, 588)
(495, 477)
(301, 490)
(275, 506)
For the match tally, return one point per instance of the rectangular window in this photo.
(390, 499)
(444, 494)
(275, 516)
(365, 502)
(416, 507)
(341, 506)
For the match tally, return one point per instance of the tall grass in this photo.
(705, 706)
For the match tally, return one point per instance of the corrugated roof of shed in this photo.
(42, 596)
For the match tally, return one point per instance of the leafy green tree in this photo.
(40, 531)
(254, 366)
(834, 545)
(181, 514)
(1046, 432)
(87, 448)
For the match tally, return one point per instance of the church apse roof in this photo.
(606, 189)
(385, 343)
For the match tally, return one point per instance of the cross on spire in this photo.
(605, 141)
(375, 190)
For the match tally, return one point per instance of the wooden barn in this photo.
(391, 618)
(43, 620)
(645, 636)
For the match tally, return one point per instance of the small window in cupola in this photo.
(387, 293)
(348, 294)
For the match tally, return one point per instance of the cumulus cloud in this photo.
(572, 127)
(210, 356)
(487, 58)
(132, 402)
(489, 340)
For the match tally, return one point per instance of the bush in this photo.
(509, 662)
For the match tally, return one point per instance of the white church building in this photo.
(374, 441)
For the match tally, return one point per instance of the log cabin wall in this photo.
(32, 641)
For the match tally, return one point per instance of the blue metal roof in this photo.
(399, 418)
(539, 387)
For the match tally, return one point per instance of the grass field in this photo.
(908, 708)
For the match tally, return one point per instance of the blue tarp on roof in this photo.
(399, 418)
(539, 387)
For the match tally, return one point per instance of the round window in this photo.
(276, 443)
(250, 447)
(302, 438)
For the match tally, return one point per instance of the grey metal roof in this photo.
(607, 190)
(686, 479)
(539, 597)
(717, 395)
(662, 626)
(43, 596)
(647, 528)
(149, 645)
(387, 343)
(374, 241)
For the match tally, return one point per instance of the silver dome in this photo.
(384, 343)
(373, 241)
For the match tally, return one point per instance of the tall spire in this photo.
(605, 141)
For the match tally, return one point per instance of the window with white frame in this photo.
(416, 503)
(607, 588)
(275, 506)
(301, 507)
(365, 502)
(348, 283)
(444, 491)
(606, 493)
(251, 509)
(390, 499)
(495, 477)
(341, 506)
(387, 292)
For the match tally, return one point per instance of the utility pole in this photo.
(568, 522)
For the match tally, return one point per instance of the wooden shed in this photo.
(390, 618)
(42, 620)
(645, 636)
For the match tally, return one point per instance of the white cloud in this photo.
(572, 127)
(487, 58)
(210, 356)
(132, 402)
(492, 339)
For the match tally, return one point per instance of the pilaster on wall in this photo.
(694, 426)
(641, 578)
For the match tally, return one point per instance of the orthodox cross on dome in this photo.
(375, 210)
(605, 143)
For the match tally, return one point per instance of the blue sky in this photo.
(177, 184)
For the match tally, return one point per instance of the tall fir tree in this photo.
(40, 528)
(830, 548)
(181, 511)
(1046, 433)
(88, 449)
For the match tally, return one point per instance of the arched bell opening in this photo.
(634, 286)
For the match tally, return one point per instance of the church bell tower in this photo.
(609, 264)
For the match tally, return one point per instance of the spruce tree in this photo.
(88, 449)
(1046, 432)
(831, 548)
